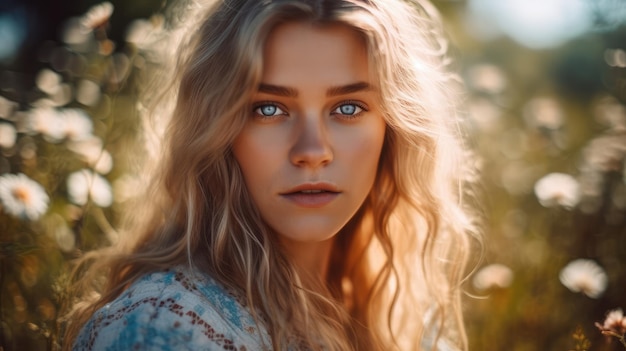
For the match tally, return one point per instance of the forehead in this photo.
(302, 49)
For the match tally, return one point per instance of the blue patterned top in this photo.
(181, 309)
(176, 309)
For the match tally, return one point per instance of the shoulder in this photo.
(178, 309)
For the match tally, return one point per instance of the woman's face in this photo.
(309, 151)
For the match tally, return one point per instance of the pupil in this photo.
(268, 110)
(347, 109)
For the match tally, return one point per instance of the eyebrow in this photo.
(277, 90)
(348, 89)
(332, 91)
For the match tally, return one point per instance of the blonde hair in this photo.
(397, 265)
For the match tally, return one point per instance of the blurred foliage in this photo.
(548, 126)
(69, 134)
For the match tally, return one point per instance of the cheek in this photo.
(247, 153)
(363, 149)
(259, 158)
(259, 141)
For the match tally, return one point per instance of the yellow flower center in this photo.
(22, 194)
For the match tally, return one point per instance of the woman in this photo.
(308, 194)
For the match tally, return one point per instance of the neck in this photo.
(311, 259)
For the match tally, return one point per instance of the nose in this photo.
(312, 147)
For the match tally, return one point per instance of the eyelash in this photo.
(352, 116)
(258, 114)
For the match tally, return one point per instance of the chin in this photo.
(307, 232)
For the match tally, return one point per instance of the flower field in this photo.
(547, 124)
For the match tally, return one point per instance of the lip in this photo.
(312, 200)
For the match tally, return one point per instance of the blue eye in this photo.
(268, 110)
(348, 109)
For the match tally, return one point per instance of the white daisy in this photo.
(92, 152)
(97, 15)
(88, 92)
(23, 197)
(48, 122)
(138, 32)
(77, 124)
(615, 57)
(615, 322)
(74, 33)
(7, 107)
(104, 163)
(484, 114)
(8, 135)
(62, 96)
(544, 112)
(84, 185)
(65, 238)
(487, 78)
(585, 276)
(558, 189)
(143, 33)
(88, 149)
(493, 276)
(57, 228)
(48, 81)
(610, 112)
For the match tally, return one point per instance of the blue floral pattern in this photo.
(178, 309)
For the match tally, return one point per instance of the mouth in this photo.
(312, 195)
(311, 192)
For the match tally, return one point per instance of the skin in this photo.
(303, 130)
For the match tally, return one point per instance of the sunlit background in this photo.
(545, 113)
